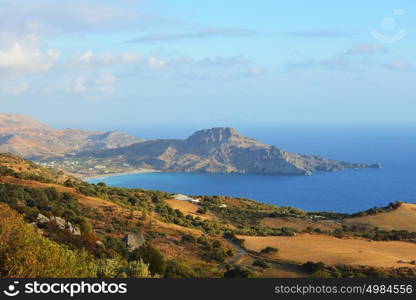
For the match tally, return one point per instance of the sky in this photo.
(146, 64)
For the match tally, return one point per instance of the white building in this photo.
(185, 198)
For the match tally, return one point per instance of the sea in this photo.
(348, 191)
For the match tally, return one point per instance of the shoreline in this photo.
(139, 171)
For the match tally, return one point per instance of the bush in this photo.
(216, 256)
(269, 250)
(312, 267)
(260, 263)
(321, 274)
(150, 255)
(239, 272)
(216, 244)
(175, 269)
(202, 210)
(112, 268)
(187, 238)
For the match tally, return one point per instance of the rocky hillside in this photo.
(54, 225)
(216, 150)
(29, 138)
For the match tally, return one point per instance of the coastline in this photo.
(138, 171)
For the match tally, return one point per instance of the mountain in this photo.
(215, 150)
(24, 136)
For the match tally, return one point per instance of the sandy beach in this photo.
(138, 171)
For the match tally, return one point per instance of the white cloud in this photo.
(155, 63)
(23, 55)
(91, 84)
(89, 59)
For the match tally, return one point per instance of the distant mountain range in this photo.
(29, 138)
(216, 150)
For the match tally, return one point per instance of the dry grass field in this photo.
(187, 208)
(276, 270)
(334, 251)
(402, 218)
(299, 224)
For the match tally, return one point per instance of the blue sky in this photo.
(146, 64)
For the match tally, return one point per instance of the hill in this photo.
(96, 224)
(221, 150)
(24, 136)
(403, 217)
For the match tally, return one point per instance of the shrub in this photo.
(112, 268)
(150, 255)
(269, 250)
(202, 210)
(313, 267)
(188, 238)
(175, 269)
(216, 256)
(260, 263)
(239, 272)
(216, 244)
(321, 274)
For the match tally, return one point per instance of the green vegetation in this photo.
(320, 270)
(239, 272)
(4, 171)
(48, 201)
(46, 259)
(260, 263)
(269, 250)
(151, 256)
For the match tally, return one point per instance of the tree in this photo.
(86, 227)
(269, 250)
(239, 272)
(260, 263)
(150, 255)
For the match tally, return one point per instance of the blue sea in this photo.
(394, 147)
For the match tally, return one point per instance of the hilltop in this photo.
(24, 136)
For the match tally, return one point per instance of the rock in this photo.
(134, 240)
(73, 229)
(62, 223)
(40, 219)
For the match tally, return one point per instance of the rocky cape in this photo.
(216, 150)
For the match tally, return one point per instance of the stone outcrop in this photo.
(134, 240)
(62, 224)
